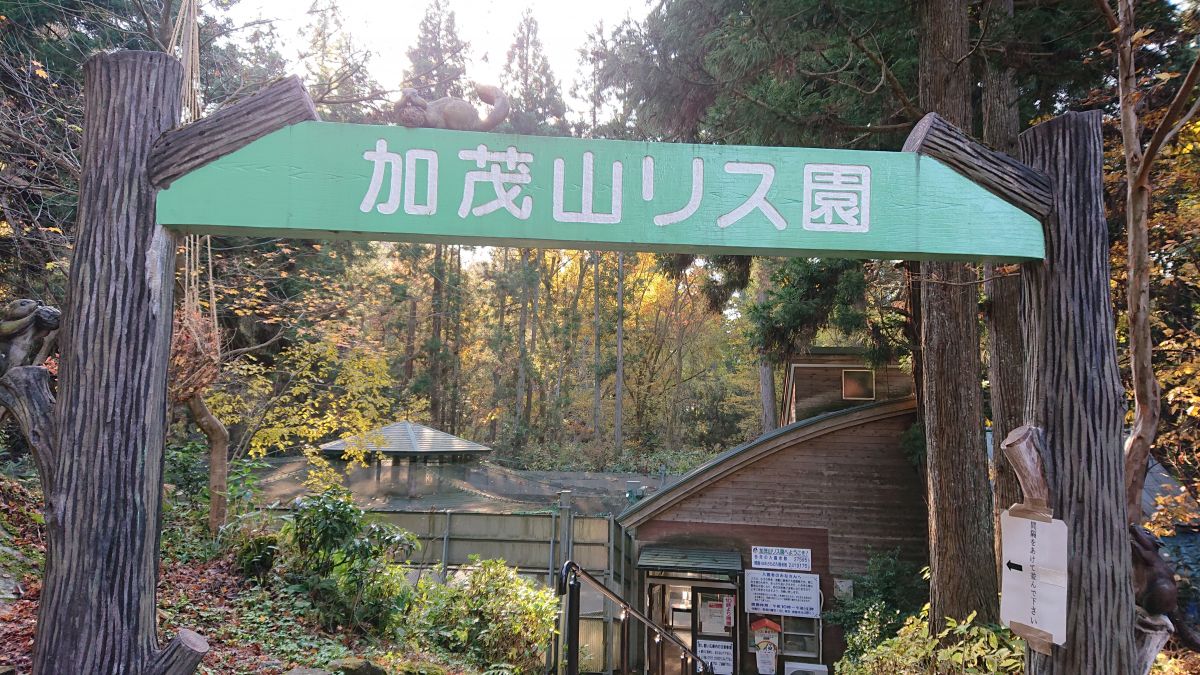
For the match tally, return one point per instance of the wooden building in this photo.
(833, 378)
(750, 547)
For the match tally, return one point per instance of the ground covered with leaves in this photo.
(251, 628)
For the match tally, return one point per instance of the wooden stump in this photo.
(1152, 631)
(1074, 394)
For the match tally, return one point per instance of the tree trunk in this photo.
(675, 403)
(618, 431)
(533, 279)
(438, 309)
(410, 339)
(1137, 216)
(522, 352)
(766, 378)
(1074, 395)
(596, 346)
(456, 350)
(103, 498)
(218, 462)
(499, 346)
(961, 544)
(1002, 290)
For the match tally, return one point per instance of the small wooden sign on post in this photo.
(1033, 579)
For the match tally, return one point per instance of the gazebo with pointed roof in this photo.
(415, 442)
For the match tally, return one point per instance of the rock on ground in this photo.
(356, 666)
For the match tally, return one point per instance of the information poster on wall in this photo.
(786, 593)
(765, 660)
(712, 618)
(718, 654)
(781, 558)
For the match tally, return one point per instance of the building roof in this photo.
(410, 439)
(479, 487)
(743, 455)
(672, 559)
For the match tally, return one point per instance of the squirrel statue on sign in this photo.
(25, 326)
(451, 113)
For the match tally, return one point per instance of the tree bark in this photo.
(619, 400)
(522, 352)
(456, 349)
(1001, 289)
(995, 171)
(1073, 392)
(25, 393)
(218, 462)
(766, 378)
(97, 612)
(961, 545)
(275, 106)
(1146, 404)
(410, 338)
(596, 345)
(436, 367)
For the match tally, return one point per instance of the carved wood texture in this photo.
(1075, 396)
(1007, 178)
(188, 148)
(97, 612)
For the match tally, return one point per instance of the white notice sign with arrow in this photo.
(1034, 579)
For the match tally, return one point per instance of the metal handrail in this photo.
(571, 570)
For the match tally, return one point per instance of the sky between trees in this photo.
(388, 29)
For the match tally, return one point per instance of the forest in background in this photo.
(292, 343)
(586, 360)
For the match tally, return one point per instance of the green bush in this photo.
(255, 555)
(350, 568)
(489, 615)
(962, 647)
(186, 468)
(890, 592)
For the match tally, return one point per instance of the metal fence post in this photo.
(624, 642)
(571, 639)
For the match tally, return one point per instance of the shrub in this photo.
(255, 555)
(962, 647)
(186, 468)
(349, 567)
(890, 592)
(489, 615)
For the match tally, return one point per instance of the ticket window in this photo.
(797, 638)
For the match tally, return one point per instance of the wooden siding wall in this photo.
(816, 386)
(853, 483)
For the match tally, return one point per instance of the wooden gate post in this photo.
(103, 459)
(1074, 394)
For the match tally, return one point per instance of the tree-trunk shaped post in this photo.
(103, 460)
(1074, 394)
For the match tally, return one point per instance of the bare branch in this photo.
(1109, 17)
(1172, 122)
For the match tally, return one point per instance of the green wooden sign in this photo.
(327, 180)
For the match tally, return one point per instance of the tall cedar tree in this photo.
(962, 557)
(438, 62)
(537, 103)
